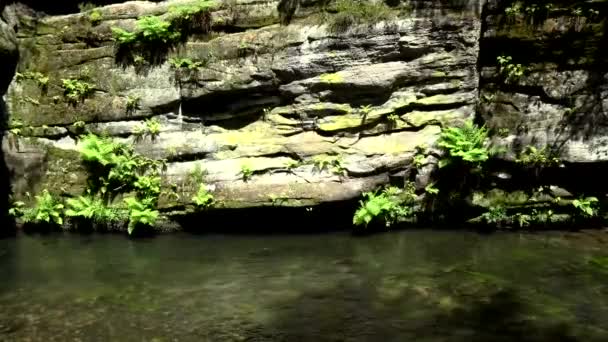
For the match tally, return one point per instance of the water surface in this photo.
(402, 286)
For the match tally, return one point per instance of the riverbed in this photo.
(421, 285)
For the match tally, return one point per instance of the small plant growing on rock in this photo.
(587, 207)
(393, 119)
(132, 103)
(89, 209)
(186, 63)
(365, 110)
(141, 214)
(47, 210)
(41, 80)
(76, 91)
(329, 163)
(246, 172)
(151, 127)
(495, 215)
(468, 144)
(203, 198)
(533, 156)
(390, 205)
(431, 189)
(95, 16)
(509, 71)
(292, 164)
(503, 132)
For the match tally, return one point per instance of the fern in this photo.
(140, 214)
(390, 205)
(92, 209)
(46, 210)
(469, 144)
(203, 198)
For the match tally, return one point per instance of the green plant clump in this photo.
(76, 91)
(389, 206)
(533, 156)
(333, 164)
(468, 144)
(586, 207)
(92, 210)
(47, 210)
(246, 172)
(95, 16)
(115, 168)
(156, 30)
(151, 128)
(509, 71)
(186, 63)
(203, 198)
(41, 80)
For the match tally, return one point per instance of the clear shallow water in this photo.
(403, 286)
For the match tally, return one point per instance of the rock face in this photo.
(8, 59)
(276, 99)
(559, 102)
(317, 115)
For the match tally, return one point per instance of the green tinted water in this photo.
(404, 286)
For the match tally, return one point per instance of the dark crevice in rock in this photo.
(528, 90)
(324, 217)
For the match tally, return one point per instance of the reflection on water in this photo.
(403, 286)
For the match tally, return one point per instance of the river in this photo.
(420, 285)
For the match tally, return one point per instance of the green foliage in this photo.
(203, 198)
(522, 220)
(114, 169)
(124, 37)
(366, 109)
(92, 209)
(431, 189)
(156, 30)
(141, 213)
(46, 210)
(292, 164)
(76, 91)
(331, 163)
(95, 16)
(117, 169)
(586, 206)
(41, 80)
(468, 144)
(509, 71)
(536, 157)
(151, 128)
(147, 187)
(15, 126)
(495, 215)
(393, 119)
(132, 103)
(246, 172)
(186, 63)
(389, 206)
(503, 132)
(357, 12)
